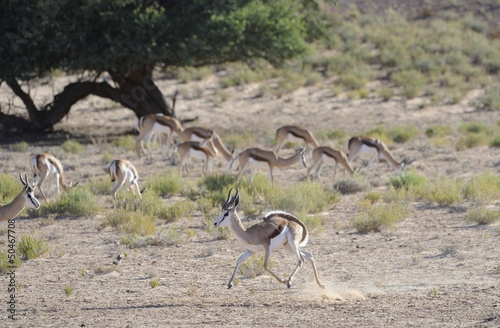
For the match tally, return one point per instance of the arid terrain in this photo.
(434, 269)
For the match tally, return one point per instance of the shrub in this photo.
(482, 215)
(483, 188)
(386, 93)
(402, 134)
(254, 267)
(125, 142)
(489, 101)
(307, 197)
(411, 82)
(409, 179)
(101, 186)
(30, 247)
(496, 142)
(77, 201)
(445, 191)
(153, 283)
(68, 290)
(438, 131)
(135, 223)
(10, 187)
(180, 209)
(351, 185)
(7, 264)
(166, 184)
(378, 217)
(72, 147)
(20, 147)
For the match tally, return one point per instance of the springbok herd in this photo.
(277, 228)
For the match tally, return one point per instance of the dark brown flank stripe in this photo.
(258, 158)
(197, 147)
(289, 217)
(199, 134)
(279, 229)
(367, 142)
(295, 134)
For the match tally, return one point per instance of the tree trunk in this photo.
(136, 91)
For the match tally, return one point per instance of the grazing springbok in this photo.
(199, 134)
(326, 153)
(277, 229)
(252, 158)
(294, 133)
(25, 198)
(158, 124)
(374, 148)
(123, 172)
(204, 150)
(44, 165)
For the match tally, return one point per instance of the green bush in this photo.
(165, 184)
(445, 191)
(134, 223)
(30, 247)
(409, 179)
(483, 189)
(7, 264)
(10, 187)
(482, 215)
(490, 100)
(20, 147)
(125, 142)
(178, 210)
(378, 217)
(72, 147)
(77, 201)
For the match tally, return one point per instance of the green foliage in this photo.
(496, 142)
(386, 93)
(306, 197)
(351, 185)
(178, 210)
(20, 147)
(31, 247)
(167, 184)
(9, 188)
(77, 201)
(445, 191)
(314, 223)
(378, 217)
(409, 179)
(490, 100)
(6, 264)
(153, 283)
(438, 131)
(254, 267)
(402, 134)
(482, 189)
(101, 186)
(482, 215)
(72, 147)
(125, 142)
(134, 223)
(68, 290)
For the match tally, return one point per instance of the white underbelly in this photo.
(293, 139)
(197, 154)
(367, 151)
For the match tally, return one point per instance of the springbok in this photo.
(152, 124)
(324, 153)
(204, 150)
(277, 229)
(252, 158)
(25, 198)
(45, 164)
(294, 133)
(374, 148)
(199, 134)
(123, 172)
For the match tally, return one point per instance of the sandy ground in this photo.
(434, 269)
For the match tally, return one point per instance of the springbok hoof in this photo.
(229, 286)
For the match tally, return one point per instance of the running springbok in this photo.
(44, 165)
(204, 150)
(252, 158)
(294, 133)
(158, 124)
(123, 172)
(277, 229)
(23, 199)
(326, 153)
(374, 148)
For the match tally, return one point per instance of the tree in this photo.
(128, 39)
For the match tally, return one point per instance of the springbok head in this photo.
(29, 198)
(228, 209)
